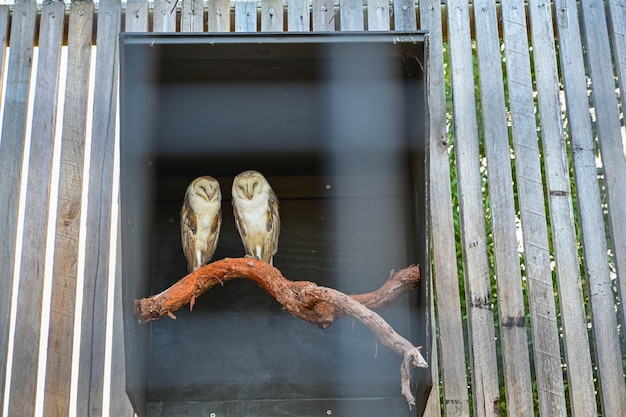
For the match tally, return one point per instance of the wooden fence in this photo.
(531, 132)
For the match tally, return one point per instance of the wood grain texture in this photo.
(119, 402)
(218, 16)
(5, 12)
(533, 217)
(94, 311)
(600, 65)
(577, 352)
(298, 16)
(6, 251)
(324, 17)
(66, 246)
(617, 34)
(564, 239)
(512, 317)
(11, 155)
(473, 235)
(351, 15)
(245, 16)
(137, 12)
(543, 308)
(446, 282)
(404, 13)
(378, 15)
(192, 16)
(272, 16)
(164, 16)
(30, 296)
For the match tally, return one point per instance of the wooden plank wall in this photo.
(527, 166)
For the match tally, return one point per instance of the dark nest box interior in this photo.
(337, 122)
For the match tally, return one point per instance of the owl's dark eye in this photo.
(254, 185)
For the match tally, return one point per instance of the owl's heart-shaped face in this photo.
(248, 185)
(207, 188)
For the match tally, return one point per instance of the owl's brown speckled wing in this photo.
(188, 228)
(273, 228)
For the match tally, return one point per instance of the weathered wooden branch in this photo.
(304, 299)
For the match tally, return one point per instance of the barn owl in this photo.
(200, 221)
(256, 214)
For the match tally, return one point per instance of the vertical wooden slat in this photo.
(8, 245)
(272, 19)
(5, 12)
(30, 296)
(527, 165)
(298, 19)
(219, 16)
(11, 155)
(378, 15)
(404, 14)
(63, 302)
(451, 354)
(192, 16)
(245, 16)
(617, 28)
(550, 386)
(473, 236)
(351, 15)
(120, 404)
(164, 16)
(94, 311)
(512, 317)
(612, 152)
(323, 15)
(136, 16)
(579, 372)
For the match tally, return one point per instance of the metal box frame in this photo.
(338, 124)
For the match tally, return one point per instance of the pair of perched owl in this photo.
(255, 207)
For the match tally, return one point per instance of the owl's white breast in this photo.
(253, 213)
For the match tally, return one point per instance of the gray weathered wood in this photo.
(192, 16)
(245, 16)
(5, 12)
(94, 303)
(446, 281)
(11, 154)
(513, 336)
(298, 17)
(378, 15)
(218, 16)
(66, 246)
(324, 17)
(404, 13)
(612, 152)
(164, 16)
(617, 27)
(617, 30)
(272, 16)
(351, 15)
(583, 400)
(546, 335)
(31, 279)
(533, 217)
(119, 403)
(137, 12)
(481, 324)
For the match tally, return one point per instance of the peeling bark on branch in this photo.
(304, 299)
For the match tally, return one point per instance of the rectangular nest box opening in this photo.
(337, 124)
